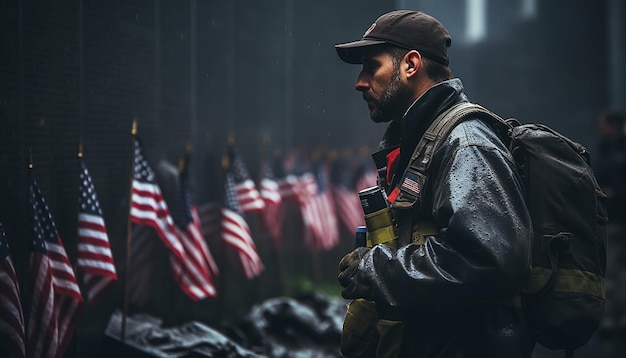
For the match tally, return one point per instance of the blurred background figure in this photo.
(609, 163)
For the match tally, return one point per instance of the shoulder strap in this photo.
(414, 177)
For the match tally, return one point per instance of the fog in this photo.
(192, 73)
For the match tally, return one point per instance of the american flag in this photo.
(11, 316)
(318, 213)
(305, 189)
(211, 219)
(272, 216)
(247, 194)
(148, 206)
(290, 189)
(236, 233)
(142, 265)
(345, 197)
(95, 260)
(193, 274)
(55, 298)
(300, 186)
(212, 265)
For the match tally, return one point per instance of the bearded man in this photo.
(450, 291)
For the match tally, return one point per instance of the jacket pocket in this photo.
(390, 334)
(359, 334)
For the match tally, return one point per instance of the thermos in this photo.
(379, 220)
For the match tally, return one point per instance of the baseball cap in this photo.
(412, 30)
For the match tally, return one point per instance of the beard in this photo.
(390, 99)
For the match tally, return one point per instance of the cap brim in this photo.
(351, 52)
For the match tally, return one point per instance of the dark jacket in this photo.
(451, 285)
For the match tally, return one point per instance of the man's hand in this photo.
(348, 269)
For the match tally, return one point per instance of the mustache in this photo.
(368, 97)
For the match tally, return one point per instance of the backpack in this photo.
(563, 299)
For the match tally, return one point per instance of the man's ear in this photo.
(412, 62)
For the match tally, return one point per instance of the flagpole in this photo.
(133, 133)
(222, 247)
(76, 272)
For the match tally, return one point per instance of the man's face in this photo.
(382, 87)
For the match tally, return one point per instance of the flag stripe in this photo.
(12, 333)
(196, 231)
(272, 218)
(193, 274)
(42, 323)
(98, 284)
(143, 247)
(95, 234)
(90, 251)
(98, 267)
(317, 211)
(236, 233)
(67, 323)
(348, 208)
(163, 228)
(225, 221)
(63, 274)
(248, 196)
(95, 259)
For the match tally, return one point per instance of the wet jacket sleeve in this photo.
(482, 251)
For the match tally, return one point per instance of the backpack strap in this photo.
(414, 177)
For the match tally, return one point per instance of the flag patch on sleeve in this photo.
(410, 183)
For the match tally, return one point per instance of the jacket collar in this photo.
(407, 132)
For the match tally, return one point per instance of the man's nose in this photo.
(361, 85)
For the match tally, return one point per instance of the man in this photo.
(450, 292)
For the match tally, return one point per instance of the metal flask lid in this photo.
(373, 199)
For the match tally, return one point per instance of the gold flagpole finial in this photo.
(30, 158)
(188, 147)
(80, 148)
(231, 138)
(133, 129)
